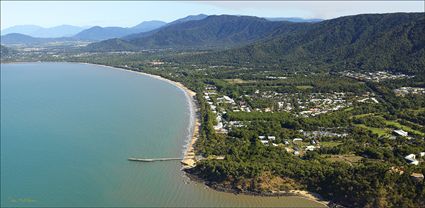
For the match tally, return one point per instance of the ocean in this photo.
(67, 130)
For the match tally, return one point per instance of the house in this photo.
(228, 99)
(296, 153)
(417, 176)
(297, 140)
(264, 142)
(272, 138)
(401, 132)
(261, 137)
(422, 154)
(274, 145)
(411, 159)
(310, 148)
(286, 142)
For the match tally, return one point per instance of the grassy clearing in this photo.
(377, 131)
(304, 87)
(239, 81)
(330, 144)
(348, 109)
(395, 124)
(344, 158)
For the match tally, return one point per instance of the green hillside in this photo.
(224, 31)
(367, 42)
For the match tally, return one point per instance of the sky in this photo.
(130, 13)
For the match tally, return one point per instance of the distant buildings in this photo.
(374, 76)
(403, 91)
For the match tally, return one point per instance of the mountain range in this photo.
(392, 41)
(370, 41)
(96, 33)
(17, 38)
(31, 34)
(223, 31)
(292, 19)
(41, 32)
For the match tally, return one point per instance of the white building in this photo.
(411, 159)
(310, 148)
(297, 140)
(401, 132)
(271, 138)
(264, 142)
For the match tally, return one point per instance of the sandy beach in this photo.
(188, 160)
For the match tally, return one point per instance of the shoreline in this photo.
(296, 193)
(189, 159)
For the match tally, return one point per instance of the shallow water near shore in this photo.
(67, 130)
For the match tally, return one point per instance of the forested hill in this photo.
(4, 51)
(223, 31)
(367, 42)
(16, 38)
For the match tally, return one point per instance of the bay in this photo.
(67, 130)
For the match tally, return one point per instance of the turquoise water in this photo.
(67, 131)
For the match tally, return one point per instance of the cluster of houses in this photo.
(374, 76)
(321, 134)
(403, 91)
(306, 105)
(270, 140)
(211, 91)
(319, 103)
(266, 140)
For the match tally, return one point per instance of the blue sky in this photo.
(130, 13)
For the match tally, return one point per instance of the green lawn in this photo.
(239, 81)
(377, 131)
(349, 109)
(395, 124)
(304, 87)
(344, 158)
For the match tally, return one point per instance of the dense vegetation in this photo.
(5, 50)
(211, 32)
(359, 170)
(358, 42)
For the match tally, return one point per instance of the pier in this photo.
(153, 159)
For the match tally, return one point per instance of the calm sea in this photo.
(67, 131)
